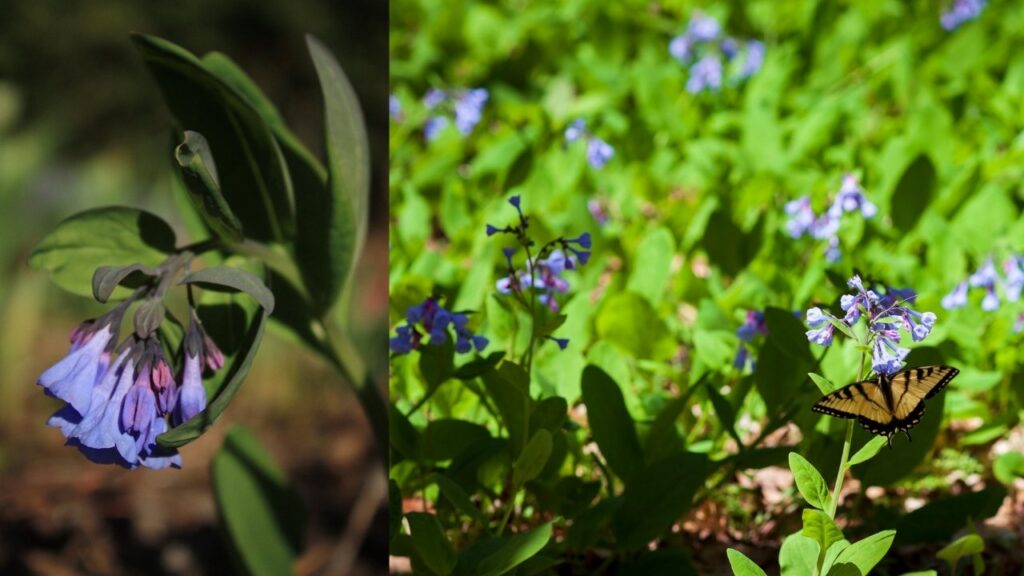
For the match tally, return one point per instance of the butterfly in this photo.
(888, 404)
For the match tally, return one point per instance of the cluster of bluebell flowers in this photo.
(708, 53)
(802, 220)
(987, 278)
(542, 279)
(884, 315)
(434, 320)
(119, 396)
(599, 152)
(466, 105)
(753, 326)
(960, 12)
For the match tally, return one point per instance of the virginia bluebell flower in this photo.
(957, 298)
(986, 277)
(434, 320)
(960, 12)
(703, 28)
(599, 152)
(754, 325)
(394, 107)
(192, 395)
(706, 74)
(802, 221)
(1014, 277)
(884, 316)
(542, 279)
(466, 105)
(72, 379)
(752, 60)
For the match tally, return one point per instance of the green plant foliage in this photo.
(262, 515)
(703, 295)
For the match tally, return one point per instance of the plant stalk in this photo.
(847, 442)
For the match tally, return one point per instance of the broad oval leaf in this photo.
(509, 388)
(913, 193)
(809, 481)
(199, 171)
(455, 494)
(113, 236)
(535, 455)
(868, 451)
(262, 515)
(515, 551)
(610, 422)
(820, 528)
(865, 554)
(966, 545)
(798, 556)
(226, 278)
(430, 543)
(741, 565)
(332, 221)
(656, 496)
(253, 177)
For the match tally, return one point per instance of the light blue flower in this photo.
(706, 74)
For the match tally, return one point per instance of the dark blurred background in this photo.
(82, 125)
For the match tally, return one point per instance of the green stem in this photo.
(847, 442)
(508, 512)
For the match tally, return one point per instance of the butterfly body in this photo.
(888, 404)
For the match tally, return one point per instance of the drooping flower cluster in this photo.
(884, 315)
(802, 220)
(434, 320)
(599, 152)
(542, 279)
(987, 277)
(960, 12)
(466, 105)
(711, 56)
(753, 326)
(119, 396)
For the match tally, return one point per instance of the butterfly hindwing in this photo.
(886, 405)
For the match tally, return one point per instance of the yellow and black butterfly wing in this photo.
(887, 404)
(863, 401)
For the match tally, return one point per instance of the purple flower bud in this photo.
(191, 395)
(583, 240)
(576, 130)
(729, 47)
(679, 47)
(563, 343)
(821, 336)
(957, 298)
(492, 230)
(706, 74)
(599, 153)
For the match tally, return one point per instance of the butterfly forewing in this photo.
(888, 404)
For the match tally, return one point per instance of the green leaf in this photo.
(508, 387)
(724, 410)
(940, 519)
(437, 363)
(798, 556)
(663, 439)
(788, 333)
(115, 237)
(628, 321)
(478, 367)
(233, 377)
(199, 172)
(823, 384)
(332, 222)
(864, 554)
(446, 438)
(913, 193)
(394, 509)
(515, 551)
(549, 414)
(107, 278)
(809, 481)
(262, 515)
(227, 279)
(451, 490)
(741, 565)
(656, 496)
(253, 177)
(610, 422)
(430, 543)
(831, 554)
(868, 451)
(1008, 467)
(402, 435)
(652, 264)
(967, 545)
(820, 528)
(149, 315)
(535, 455)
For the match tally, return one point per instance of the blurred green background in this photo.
(82, 125)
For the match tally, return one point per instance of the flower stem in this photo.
(847, 442)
